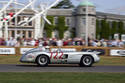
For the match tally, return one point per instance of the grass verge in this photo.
(111, 61)
(62, 77)
(105, 60)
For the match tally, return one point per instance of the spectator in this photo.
(59, 42)
(25, 43)
(114, 43)
(104, 43)
(120, 43)
(8, 42)
(32, 43)
(99, 43)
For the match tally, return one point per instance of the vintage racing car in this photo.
(44, 56)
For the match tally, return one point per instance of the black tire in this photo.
(42, 60)
(86, 61)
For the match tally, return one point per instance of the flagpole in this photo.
(86, 30)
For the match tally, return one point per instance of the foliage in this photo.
(98, 29)
(108, 30)
(64, 4)
(121, 27)
(61, 26)
(49, 28)
(114, 29)
(104, 29)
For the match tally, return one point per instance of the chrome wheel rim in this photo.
(87, 60)
(42, 60)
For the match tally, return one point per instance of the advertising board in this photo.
(7, 51)
(117, 52)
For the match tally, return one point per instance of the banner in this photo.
(117, 52)
(116, 36)
(123, 37)
(7, 51)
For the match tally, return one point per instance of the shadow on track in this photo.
(51, 65)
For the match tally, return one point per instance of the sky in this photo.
(111, 6)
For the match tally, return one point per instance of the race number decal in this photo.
(55, 57)
(56, 54)
(61, 55)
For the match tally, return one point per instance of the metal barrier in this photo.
(105, 50)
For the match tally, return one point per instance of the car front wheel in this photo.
(42, 61)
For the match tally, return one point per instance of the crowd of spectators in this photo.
(60, 42)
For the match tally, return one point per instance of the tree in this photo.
(61, 26)
(49, 28)
(64, 4)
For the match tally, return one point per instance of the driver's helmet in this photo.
(47, 47)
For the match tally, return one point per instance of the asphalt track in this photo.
(59, 68)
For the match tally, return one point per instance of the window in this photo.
(30, 23)
(84, 9)
(13, 33)
(18, 19)
(13, 21)
(24, 33)
(67, 22)
(93, 21)
(55, 20)
(30, 34)
(93, 9)
(84, 21)
(18, 32)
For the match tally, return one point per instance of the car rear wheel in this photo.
(42, 61)
(86, 61)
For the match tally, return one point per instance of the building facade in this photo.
(75, 19)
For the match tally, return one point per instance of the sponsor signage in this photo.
(123, 37)
(23, 50)
(116, 36)
(7, 51)
(117, 52)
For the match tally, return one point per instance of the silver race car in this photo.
(44, 56)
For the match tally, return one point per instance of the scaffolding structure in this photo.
(5, 17)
